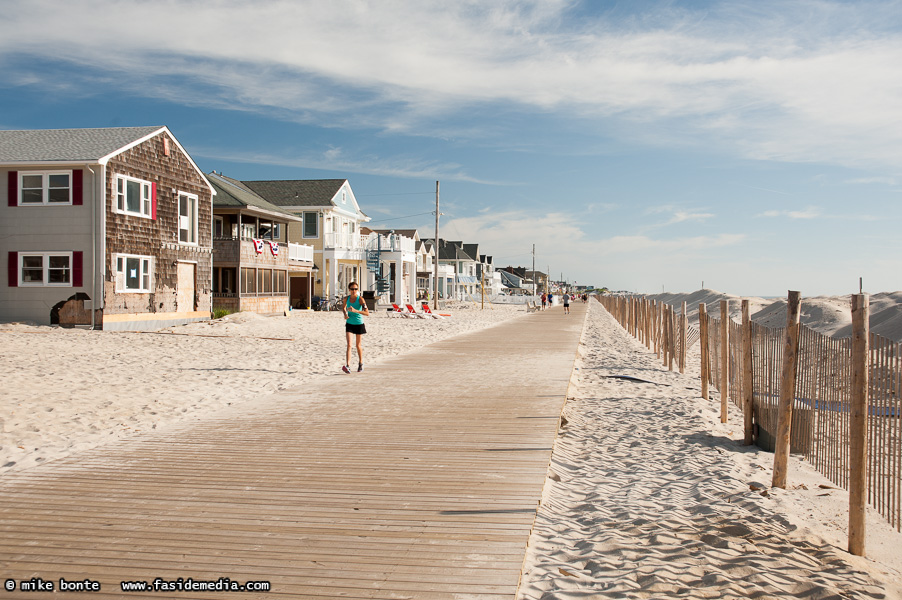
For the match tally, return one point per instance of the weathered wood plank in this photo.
(419, 479)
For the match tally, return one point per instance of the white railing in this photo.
(391, 243)
(301, 252)
(344, 240)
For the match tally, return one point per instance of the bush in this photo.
(219, 313)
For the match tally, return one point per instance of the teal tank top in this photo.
(355, 318)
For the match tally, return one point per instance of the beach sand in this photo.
(650, 496)
(65, 390)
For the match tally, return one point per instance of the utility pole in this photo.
(435, 261)
(533, 270)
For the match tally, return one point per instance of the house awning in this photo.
(466, 279)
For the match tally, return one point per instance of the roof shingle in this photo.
(75, 145)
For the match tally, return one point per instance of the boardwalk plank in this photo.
(417, 479)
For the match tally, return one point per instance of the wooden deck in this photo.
(416, 479)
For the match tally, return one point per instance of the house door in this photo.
(298, 292)
(185, 295)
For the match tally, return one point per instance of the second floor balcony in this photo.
(244, 251)
(348, 241)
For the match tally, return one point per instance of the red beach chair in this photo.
(397, 310)
(412, 311)
(429, 313)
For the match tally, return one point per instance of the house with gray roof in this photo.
(330, 222)
(255, 267)
(463, 259)
(104, 228)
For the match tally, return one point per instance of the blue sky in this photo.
(753, 146)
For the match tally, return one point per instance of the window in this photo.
(270, 231)
(133, 273)
(264, 281)
(45, 187)
(45, 269)
(248, 281)
(133, 196)
(279, 282)
(218, 227)
(187, 218)
(311, 225)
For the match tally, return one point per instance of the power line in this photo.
(404, 217)
(396, 194)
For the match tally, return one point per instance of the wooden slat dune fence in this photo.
(822, 403)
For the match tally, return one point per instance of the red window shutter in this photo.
(13, 269)
(77, 176)
(153, 201)
(13, 188)
(77, 258)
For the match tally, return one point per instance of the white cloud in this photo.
(811, 81)
(811, 212)
(677, 215)
(563, 244)
(335, 159)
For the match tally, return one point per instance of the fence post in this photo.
(747, 388)
(684, 325)
(787, 390)
(671, 328)
(858, 424)
(703, 339)
(724, 358)
(665, 332)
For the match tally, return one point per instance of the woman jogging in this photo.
(354, 309)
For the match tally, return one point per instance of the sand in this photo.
(650, 496)
(66, 390)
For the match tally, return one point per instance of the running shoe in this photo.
(360, 368)
(346, 369)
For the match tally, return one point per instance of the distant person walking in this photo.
(544, 301)
(566, 300)
(550, 299)
(354, 309)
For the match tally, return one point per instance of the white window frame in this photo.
(45, 188)
(45, 267)
(145, 273)
(186, 220)
(304, 225)
(120, 198)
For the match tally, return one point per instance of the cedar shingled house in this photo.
(255, 267)
(109, 228)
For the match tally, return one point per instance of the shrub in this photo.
(219, 313)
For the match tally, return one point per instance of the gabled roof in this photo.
(42, 145)
(448, 250)
(231, 193)
(298, 192)
(95, 145)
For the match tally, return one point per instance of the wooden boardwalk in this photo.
(419, 478)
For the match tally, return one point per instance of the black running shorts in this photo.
(356, 329)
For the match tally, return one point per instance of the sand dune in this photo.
(829, 315)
